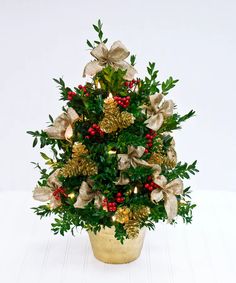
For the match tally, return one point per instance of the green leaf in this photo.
(35, 142)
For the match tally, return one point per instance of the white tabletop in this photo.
(202, 252)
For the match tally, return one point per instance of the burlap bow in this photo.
(157, 111)
(113, 57)
(132, 158)
(86, 195)
(62, 127)
(171, 152)
(167, 192)
(46, 193)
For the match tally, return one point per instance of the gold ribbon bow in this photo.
(167, 192)
(62, 127)
(86, 195)
(157, 111)
(132, 158)
(113, 57)
(46, 193)
(171, 152)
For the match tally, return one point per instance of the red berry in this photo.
(149, 144)
(150, 188)
(87, 94)
(149, 141)
(95, 126)
(118, 200)
(80, 86)
(147, 136)
(122, 199)
(126, 83)
(146, 150)
(146, 186)
(92, 132)
(149, 178)
(87, 137)
(119, 194)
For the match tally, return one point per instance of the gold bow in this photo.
(86, 195)
(113, 57)
(157, 111)
(62, 127)
(167, 192)
(132, 158)
(171, 152)
(46, 193)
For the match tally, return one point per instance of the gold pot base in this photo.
(108, 249)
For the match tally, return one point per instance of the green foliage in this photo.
(174, 122)
(133, 60)
(168, 85)
(181, 171)
(150, 84)
(185, 210)
(98, 29)
(112, 81)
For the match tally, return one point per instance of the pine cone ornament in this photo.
(141, 213)
(132, 229)
(79, 164)
(114, 119)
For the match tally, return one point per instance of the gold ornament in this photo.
(131, 218)
(122, 214)
(132, 229)
(162, 157)
(141, 213)
(114, 119)
(79, 164)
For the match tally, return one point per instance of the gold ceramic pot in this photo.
(108, 249)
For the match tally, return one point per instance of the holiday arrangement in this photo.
(113, 161)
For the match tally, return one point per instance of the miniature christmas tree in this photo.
(113, 157)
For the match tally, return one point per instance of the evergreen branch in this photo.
(173, 122)
(98, 29)
(181, 171)
(167, 85)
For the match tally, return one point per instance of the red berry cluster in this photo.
(70, 95)
(122, 101)
(84, 89)
(58, 193)
(150, 185)
(95, 130)
(150, 138)
(130, 84)
(112, 206)
(119, 197)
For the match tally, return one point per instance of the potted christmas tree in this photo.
(113, 170)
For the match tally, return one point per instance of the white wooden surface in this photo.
(201, 252)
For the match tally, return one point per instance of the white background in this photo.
(192, 40)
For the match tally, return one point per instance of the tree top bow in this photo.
(113, 57)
